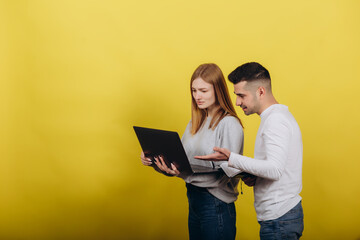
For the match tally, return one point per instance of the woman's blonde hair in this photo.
(212, 74)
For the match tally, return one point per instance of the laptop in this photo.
(155, 142)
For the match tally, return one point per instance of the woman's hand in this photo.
(159, 161)
(145, 160)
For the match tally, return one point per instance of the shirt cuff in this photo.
(229, 171)
(234, 160)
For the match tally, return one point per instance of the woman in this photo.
(214, 122)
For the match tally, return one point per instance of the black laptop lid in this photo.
(156, 142)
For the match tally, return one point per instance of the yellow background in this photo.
(76, 75)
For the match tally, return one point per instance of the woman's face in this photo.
(203, 93)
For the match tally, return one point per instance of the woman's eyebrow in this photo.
(203, 88)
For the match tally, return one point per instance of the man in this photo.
(277, 161)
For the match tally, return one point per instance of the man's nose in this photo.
(238, 102)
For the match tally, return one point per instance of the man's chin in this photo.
(247, 113)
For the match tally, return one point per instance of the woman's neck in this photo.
(212, 110)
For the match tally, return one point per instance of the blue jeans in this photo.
(288, 226)
(209, 217)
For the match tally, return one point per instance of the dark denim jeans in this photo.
(209, 217)
(289, 226)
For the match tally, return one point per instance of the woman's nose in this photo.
(197, 96)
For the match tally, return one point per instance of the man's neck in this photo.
(267, 104)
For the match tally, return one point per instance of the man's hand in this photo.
(249, 180)
(220, 154)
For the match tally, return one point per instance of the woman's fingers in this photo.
(174, 170)
(145, 161)
(160, 162)
(157, 162)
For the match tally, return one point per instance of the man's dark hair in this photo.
(249, 72)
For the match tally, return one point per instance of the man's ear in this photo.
(261, 91)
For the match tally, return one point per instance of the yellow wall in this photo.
(76, 75)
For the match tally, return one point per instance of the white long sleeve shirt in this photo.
(277, 162)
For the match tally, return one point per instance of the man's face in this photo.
(246, 97)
